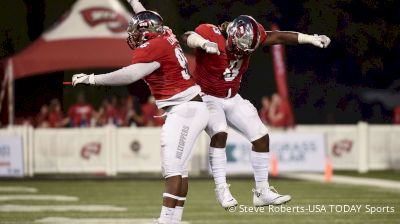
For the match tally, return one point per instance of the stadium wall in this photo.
(111, 151)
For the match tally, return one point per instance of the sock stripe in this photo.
(168, 195)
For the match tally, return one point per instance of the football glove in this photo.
(210, 47)
(320, 41)
(83, 79)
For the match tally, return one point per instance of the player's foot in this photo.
(269, 196)
(224, 196)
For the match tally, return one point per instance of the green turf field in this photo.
(381, 174)
(142, 199)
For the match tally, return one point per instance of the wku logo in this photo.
(114, 21)
(90, 149)
(342, 146)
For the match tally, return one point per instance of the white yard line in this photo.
(61, 208)
(371, 182)
(37, 197)
(60, 220)
(18, 189)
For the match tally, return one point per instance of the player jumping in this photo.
(222, 57)
(159, 60)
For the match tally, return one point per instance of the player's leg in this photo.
(243, 116)
(216, 129)
(178, 212)
(172, 162)
(195, 117)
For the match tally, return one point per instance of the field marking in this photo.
(18, 189)
(61, 220)
(370, 182)
(61, 208)
(37, 197)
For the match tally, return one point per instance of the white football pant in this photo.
(183, 125)
(236, 112)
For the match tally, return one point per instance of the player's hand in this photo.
(211, 47)
(320, 41)
(83, 79)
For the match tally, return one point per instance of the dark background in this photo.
(326, 85)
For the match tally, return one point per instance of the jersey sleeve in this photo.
(148, 52)
(207, 31)
(263, 34)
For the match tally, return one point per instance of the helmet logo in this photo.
(144, 24)
(114, 21)
(241, 31)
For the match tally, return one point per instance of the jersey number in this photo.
(183, 62)
(233, 70)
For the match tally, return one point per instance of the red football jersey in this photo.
(220, 75)
(173, 75)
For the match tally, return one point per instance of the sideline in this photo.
(341, 179)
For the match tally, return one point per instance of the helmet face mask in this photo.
(134, 39)
(243, 35)
(144, 26)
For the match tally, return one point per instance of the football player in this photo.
(222, 57)
(159, 60)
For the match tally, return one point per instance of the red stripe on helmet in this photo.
(256, 32)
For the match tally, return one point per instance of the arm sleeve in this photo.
(136, 6)
(126, 75)
(194, 40)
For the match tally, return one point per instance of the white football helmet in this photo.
(243, 35)
(144, 26)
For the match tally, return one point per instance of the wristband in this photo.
(304, 38)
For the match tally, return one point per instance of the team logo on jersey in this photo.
(114, 21)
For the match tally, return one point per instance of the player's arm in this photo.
(293, 38)
(123, 76)
(194, 40)
(136, 6)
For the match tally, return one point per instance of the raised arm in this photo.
(194, 40)
(123, 76)
(136, 6)
(293, 38)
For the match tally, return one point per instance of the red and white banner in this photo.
(72, 150)
(278, 59)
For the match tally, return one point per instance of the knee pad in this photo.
(185, 174)
(174, 171)
(170, 171)
(216, 128)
